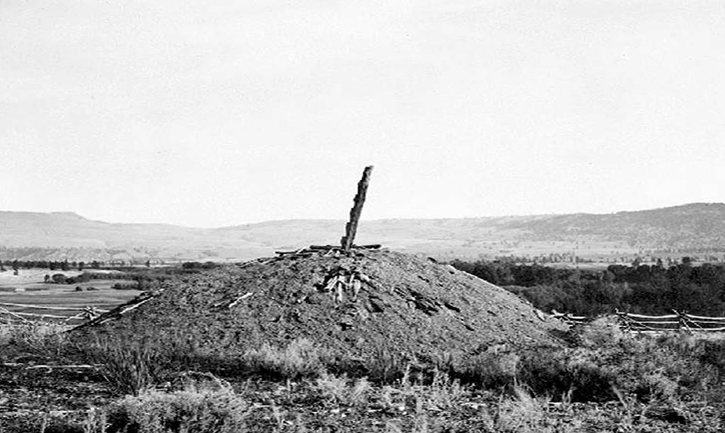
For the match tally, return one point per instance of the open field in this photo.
(29, 279)
(29, 289)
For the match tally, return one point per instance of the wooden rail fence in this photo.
(14, 313)
(677, 321)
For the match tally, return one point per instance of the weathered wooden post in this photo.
(351, 228)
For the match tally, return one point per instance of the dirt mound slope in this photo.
(354, 305)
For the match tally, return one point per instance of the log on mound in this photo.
(353, 304)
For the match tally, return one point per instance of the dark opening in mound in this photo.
(370, 301)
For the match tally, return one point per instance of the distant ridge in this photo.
(690, 228)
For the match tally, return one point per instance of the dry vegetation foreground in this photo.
(607, 381)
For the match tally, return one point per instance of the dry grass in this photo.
(197, 409)
(130, 370)
(609, 381)
(48, 339)
(301, 358)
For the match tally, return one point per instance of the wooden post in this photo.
(351, 228)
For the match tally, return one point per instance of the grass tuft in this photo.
(301, 358)
(199, 411)
(523, 413)
(131, 369)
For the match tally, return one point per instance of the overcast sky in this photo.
(212, 113)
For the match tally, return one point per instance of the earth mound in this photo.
(354, 305)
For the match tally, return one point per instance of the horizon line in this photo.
(74, 213)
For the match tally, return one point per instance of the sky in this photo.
(226, 112)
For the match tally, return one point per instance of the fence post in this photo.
(682, 322)
(623, 322)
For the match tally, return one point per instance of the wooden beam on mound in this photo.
(351, 228)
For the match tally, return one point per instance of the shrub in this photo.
(579, 373)
(193, 410)
(45, 339)
(384, 366)
(711, 351)
(341, 390)
(609, 361)
(603, 331)
(198, 265)
(332, 387)
(125, 286)
(494, 367)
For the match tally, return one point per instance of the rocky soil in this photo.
(354, 305)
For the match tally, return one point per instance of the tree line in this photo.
(61, 265)
(643, 289)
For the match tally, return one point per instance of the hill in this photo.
(697, 228)
(355, 305)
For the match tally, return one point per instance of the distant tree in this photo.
(81, 265)
(2, 268)
(95, 264)
(59, 279)
(148, 263)
(64, 266)
(51, 266)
